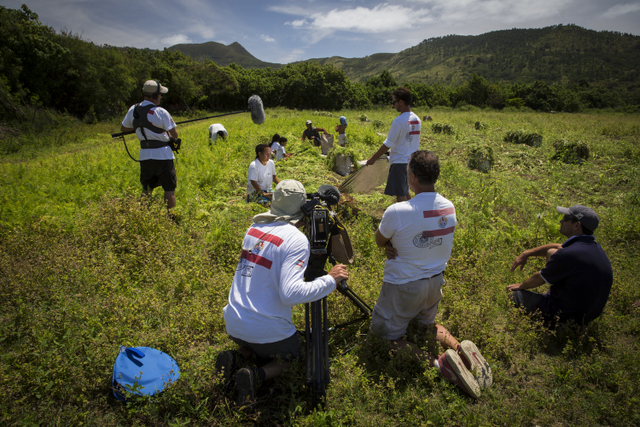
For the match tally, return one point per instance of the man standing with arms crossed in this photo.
(417, 236)
(154, 128)
(402, 140)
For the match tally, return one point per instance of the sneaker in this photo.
(226, 364)
(247, 383)
(452, 368)
(475, 363)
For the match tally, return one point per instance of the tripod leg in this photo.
(318, 355)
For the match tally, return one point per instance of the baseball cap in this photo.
(150, 87)
(309, 122)
(587, 217)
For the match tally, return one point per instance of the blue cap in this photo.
(343, 120)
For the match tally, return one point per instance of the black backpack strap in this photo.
(141, 122)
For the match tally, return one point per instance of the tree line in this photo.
(60, 71)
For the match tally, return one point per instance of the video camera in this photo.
(320, 219)
(326, 235)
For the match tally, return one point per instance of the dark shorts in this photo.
(530, 301)
(397, 184)
(287, 349)
(155, 173)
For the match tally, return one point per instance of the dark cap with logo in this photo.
(587, 217)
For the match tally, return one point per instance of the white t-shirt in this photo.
(269, 280)
(214, 129)
(158, 117)
(421, 230)
(403, 138)
(262, 174)
(279, 151)
(274, 150)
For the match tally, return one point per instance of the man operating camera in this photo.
(268, 281)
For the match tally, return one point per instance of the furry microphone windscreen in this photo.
(257, 112)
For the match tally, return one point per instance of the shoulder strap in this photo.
(140, 119)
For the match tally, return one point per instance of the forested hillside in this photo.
(553, 55)
(564, 68)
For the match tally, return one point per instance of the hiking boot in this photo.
(452, 368)
(226, 364)
(475, 363)
(247, 384)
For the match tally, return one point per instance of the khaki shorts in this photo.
(398, 305)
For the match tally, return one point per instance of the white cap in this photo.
(150, 87)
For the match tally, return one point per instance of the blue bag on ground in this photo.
(142, 371)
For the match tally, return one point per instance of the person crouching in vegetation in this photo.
(280, 149)
(312, 133)
(341, 128)
(262, 175)
(578, 271)
(217, 130)
(268, 281)
(417, 236)
(154, 127)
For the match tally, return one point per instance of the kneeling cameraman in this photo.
(269, 280)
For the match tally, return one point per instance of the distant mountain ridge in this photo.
(553, 54)
(223, 55)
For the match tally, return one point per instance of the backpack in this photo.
(142, 371)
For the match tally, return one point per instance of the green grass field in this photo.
(87, 265)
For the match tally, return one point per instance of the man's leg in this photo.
(169, 199)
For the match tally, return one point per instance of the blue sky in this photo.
(284, 31)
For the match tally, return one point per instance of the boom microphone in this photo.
(255, 107)
(257, 112)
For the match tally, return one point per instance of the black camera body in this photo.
(320, 221)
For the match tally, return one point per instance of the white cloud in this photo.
(292, 56)
(299, 23)
(621, 10)
(380, 19)
(176, 39)
(267, 38)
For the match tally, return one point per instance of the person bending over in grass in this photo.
(217, 130)
(262, 175)
(578, 271)
(417, 236)
(269, 280)
(154, 127)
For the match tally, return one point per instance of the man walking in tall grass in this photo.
(417, 236)
(154, 128)
(402, 140)
(578, 271)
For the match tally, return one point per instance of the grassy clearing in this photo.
(86, 266)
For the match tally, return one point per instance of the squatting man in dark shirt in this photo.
(578, 272)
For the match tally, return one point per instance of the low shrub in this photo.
(570, 152)
(531, 139)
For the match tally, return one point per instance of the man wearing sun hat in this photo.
(268, 281)
(578, 271)
(154, 128)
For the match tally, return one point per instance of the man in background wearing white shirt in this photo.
(154, 127)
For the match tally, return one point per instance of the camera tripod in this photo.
(317, 326)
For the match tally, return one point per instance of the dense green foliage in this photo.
(44, 70)
(86, 265)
